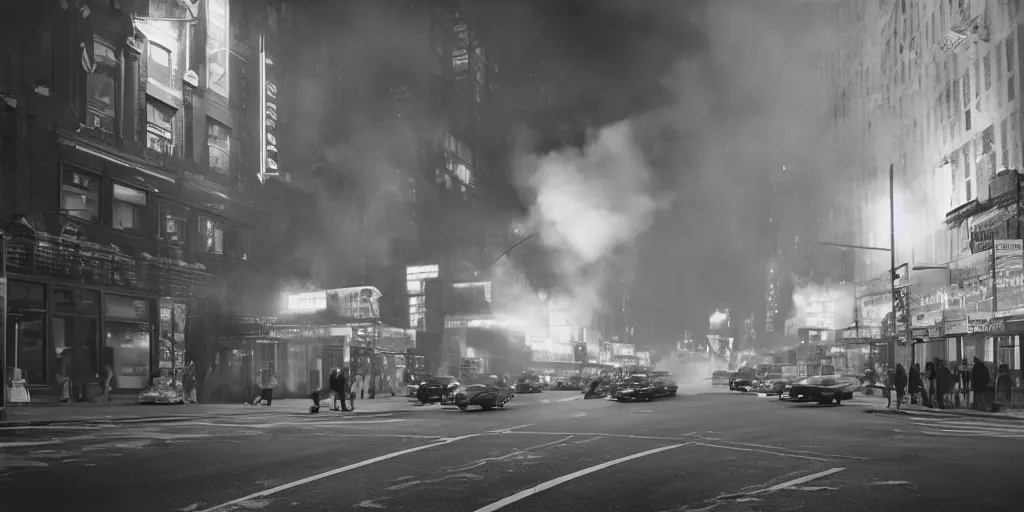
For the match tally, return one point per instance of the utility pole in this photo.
(892, 257)
(3, 326)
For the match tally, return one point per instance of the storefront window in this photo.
(128, 340)
(27, 349)
(129, 346)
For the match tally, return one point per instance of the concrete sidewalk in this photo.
(877, 405)
(127, 411)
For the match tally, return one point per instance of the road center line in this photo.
(510, 429)
(325, 474)
(803, 480)
(526, 493)
(780, 454)
(626, 436)
(787, 450)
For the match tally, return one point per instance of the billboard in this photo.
(268, 114)
(1009, 277)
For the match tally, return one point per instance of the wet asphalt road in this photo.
(721, 451)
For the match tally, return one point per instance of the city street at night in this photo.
(551, 451)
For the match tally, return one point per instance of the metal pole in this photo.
(995, 339)
(3, 326)
(892, 258)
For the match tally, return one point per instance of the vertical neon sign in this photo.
(268, 117)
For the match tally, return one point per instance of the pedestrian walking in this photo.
(979, 382)
(901, 385)
(916, 385)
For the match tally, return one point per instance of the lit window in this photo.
(159, 127)
(218, 141)
(172, 225)
(218, 58)
(129, 207)
(80, 196)
(101, 88)
(159, 64)
(211, 236)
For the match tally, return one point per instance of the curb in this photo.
(143, 420)
(981, 415)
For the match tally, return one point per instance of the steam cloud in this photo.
(588, 204)
(806, 292)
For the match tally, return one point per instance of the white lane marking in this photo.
(624, 436)
(59, 427)
(526, 493)
(320, 476)
(780, 454)
(571, 398)
(296, 423)
(19, 444)
(802, 480)
(787, 450)
(545, 401)
(970, 424)
(971, 434)
(891, 482)
(510, 429)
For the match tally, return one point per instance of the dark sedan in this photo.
(635, 388)
(491, 393)
(663, 384)
(529, 384)
(821, 389)
(743, 380)
(437, 390)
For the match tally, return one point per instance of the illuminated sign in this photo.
(309, 301)
(268, 115)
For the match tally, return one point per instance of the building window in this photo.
(159, 64)
(1004, 145)
(1011, 90)
(172, 224)
(242, 246)
(80, 195)
(987, 69)
(211, 236)
(968, 176)
(102, 88)
(218, 142)
(160, 126)
(1010, 54)
(129, 207)
(217, 53)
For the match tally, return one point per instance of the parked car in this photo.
(487, 395)
(571, 382)
(824, 389)
(437, 390)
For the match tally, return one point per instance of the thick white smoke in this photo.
(587, 204)
(809, 297)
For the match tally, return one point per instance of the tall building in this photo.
(131, 160)
(932, 89)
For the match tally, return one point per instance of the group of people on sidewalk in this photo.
(942, 385)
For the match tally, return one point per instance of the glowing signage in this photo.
(308, 302)
(268, 115)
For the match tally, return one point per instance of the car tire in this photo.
(462, 407)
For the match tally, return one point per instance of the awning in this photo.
(82, 145)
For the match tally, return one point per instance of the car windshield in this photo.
(818, 381)
(636, 379)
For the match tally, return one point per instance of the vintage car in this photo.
(492, 392)
(824, 389)
(570, 382)
(771, 384)
(635, 388)
(743, 379)
(664, 384)
(437, 390)
(529, 383)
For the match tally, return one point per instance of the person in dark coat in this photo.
(339, 385)
(900, 384)
(915, 383)
(979, 382)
